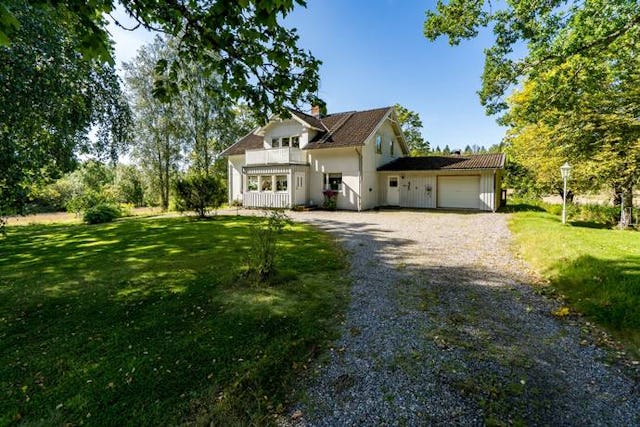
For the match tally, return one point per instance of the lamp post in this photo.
(564, 170)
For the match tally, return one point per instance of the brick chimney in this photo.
(315, 111)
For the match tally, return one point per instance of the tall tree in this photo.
(243, 42)
(411, 125)
(50, 99)
(160, 132)
(581, 72)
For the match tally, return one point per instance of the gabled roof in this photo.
(427, 163)
(348, 129)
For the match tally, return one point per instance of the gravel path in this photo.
(441, 330)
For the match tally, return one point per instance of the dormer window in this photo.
(285, 141)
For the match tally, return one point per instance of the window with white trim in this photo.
(281, 183)
(333, 181)
(265, 183)
(286, 141)
(378, 144)
(391, 147)
(252, 183)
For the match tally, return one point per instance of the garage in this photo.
(459, 192)
(445, 182)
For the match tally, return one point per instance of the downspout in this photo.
(496, 192)
(359, 179)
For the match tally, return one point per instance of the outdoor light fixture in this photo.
(565, 170)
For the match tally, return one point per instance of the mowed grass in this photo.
(144, 322)
(596, 269)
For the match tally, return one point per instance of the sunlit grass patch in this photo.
(598, 270)
(146, 320)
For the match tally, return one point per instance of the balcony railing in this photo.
(272, 156)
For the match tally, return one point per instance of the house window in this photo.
(391, 147)
(265, 183)
(252, 183)
(285, 141)
(333, 181)
(378, 144)
(281, 183)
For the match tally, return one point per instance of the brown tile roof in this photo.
(312, 120)
(247, 142)
(427, 163)
(346, 129)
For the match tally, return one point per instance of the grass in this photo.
(143, 321)
(596, 269)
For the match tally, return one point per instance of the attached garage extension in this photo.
(453, 182)
(459, 192)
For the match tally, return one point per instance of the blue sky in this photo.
(374, 55)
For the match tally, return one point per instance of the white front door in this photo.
(300, 189)
(393, 191)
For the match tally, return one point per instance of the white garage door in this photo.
(459, 192)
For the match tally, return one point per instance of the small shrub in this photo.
(100, 213)
(199, 193)
(261, 259)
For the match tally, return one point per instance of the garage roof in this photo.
(428, 163)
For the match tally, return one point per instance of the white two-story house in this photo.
(361, 155)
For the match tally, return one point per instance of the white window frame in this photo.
(257, 178)
(266, 178)
(378, 143)
(391, 150)
(279, 142)
(326, 178)
(286, 183)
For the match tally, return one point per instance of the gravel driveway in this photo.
(441, 330)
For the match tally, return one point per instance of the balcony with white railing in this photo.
(275, 156)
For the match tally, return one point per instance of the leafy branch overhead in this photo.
(243, 42)
(553, 32)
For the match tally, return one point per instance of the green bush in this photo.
(199, 193)
(103, 212)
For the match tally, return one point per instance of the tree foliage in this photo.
(411, 125)
(243, 42)
(50, 99)
(580, 99)
(160, 132)
(553, 31)
(200, 193)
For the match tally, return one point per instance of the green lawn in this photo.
(144, 321)
(597, 269)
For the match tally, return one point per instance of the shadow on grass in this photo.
(607, 291)
(521, 207)
(589, 224)
(143, 320)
